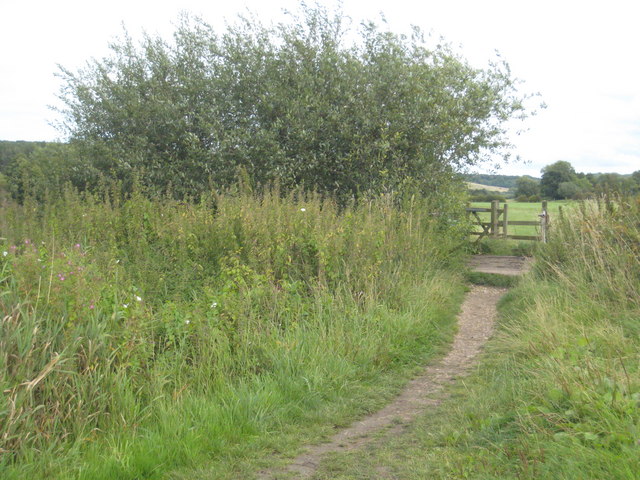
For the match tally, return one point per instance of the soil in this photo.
(475, 326)
(500, 264)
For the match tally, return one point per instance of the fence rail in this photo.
(498, 227)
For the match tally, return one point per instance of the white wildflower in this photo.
(303, 209)
(214, 305)
(4, 254)
(187, 322)
(138, 298)
(125, 305)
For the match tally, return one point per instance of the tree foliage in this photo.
(553, 176)
(494, 180)
(9, 150)
(300, 103)
(560, 180)
(527, 186)
(42, 169)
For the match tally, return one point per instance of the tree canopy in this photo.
(560, 180)
(554, 175)
(310, 102)
(527, 186)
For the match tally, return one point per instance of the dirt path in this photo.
(475, 326)
(501, 264)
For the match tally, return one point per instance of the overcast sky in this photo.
(582, 56)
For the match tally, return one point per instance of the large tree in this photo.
(553, 176)
(307, 102)
(527, 186)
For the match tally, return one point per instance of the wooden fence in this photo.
(498, 226)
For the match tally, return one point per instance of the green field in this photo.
(524, 211)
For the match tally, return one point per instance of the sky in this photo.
(580, 56)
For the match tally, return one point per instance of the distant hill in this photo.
(504, 181)
(489, 188)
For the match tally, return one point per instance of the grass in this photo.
(146, 338)
(557, 394)
(492, 279)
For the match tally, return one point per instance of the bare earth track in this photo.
(500, 264)
(475, 326)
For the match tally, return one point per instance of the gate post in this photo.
(494, 218)
(505, 220)
(544, 222)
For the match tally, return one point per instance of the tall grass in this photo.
(573, 337)
(558, 393)
(141, 335)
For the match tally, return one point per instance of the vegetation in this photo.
(557, 394)
(174, 293)
(9, 151)
(485, 196)
(46, 170)
(526, 211)
(504, 181)
(141, 335)
(560, 180)
(527, 187)
(308, 102)
(531, 199)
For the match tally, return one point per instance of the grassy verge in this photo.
(142, 338)
(492, 279)
(557, 395)
(490, 246)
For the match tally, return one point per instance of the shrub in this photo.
(487, 197)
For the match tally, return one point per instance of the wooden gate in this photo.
(498, 226)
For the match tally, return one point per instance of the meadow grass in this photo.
(142, 337)
(557, 395)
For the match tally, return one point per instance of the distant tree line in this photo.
(561, 181)
(505, 181)
(39, 169)
(9, 151)
(312, 102)
(484, 195)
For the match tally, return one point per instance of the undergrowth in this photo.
(557, 395)
(141, 336)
